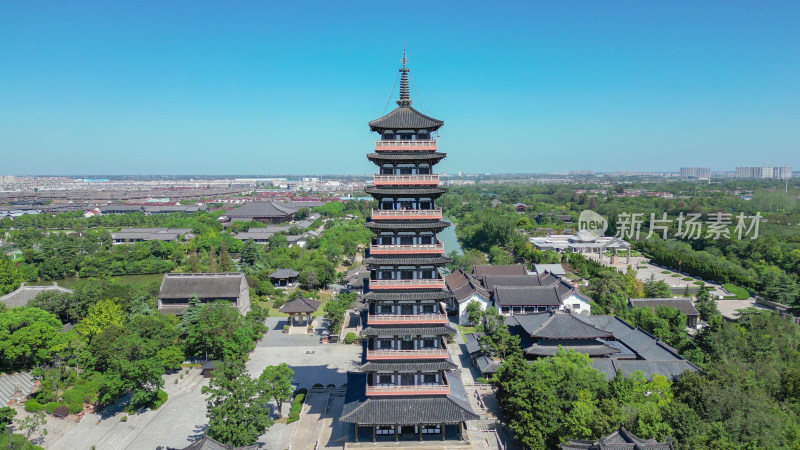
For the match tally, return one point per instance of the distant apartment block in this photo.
(700, 173)
(765, 172)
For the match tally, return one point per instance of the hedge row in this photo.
(297, 405)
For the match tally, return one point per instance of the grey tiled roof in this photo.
(408, 260)
(509, 269)
(410, 156)
(491, 281)
(552, 325)
(24, 294)
(621, 439)
(406, 366)
(589, 347)
(471, 340)
(683, 305)
(378, 191)
(527, 296)
(203, 285)
(410, 295)
(464, 286)
(410, 410)
(407, 225)
(262, 209)
(207, 443)
(670, 369)
(408, 330)
(487, 364)
(284, 273)
(555, 269)
(405, 118)
(300, 305)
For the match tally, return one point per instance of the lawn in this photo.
(675, 275)
(465, 330)
(666, 272)
(738, 292)
(687, 278)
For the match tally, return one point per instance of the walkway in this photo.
(15, 383)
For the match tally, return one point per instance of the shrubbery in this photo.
(350, 338)
(297, 405)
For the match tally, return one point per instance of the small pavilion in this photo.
(300, 310)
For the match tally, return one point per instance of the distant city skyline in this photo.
(267, 88)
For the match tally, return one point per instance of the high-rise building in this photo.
(764, 172)
(404, 391)
(700, 173)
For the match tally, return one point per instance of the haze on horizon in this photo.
(267, 87)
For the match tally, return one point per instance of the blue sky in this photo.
(194, 87)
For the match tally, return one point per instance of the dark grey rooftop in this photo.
(590, 347)
(407, 225)
(261, 209)
(683, 305)
(409, 156)
(621, 439)
(491, 281)
(407, 330)
(284, 273)
(380, 191)
(24, 294)
(509, 269)
(527, 296)
(408, 366)
(203, 285)
(405, 118)
(552, 325)
(409, 260)
(300, 305)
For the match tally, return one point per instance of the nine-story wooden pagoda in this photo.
(404, 391)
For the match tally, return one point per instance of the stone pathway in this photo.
(13, 384)
(309, 427)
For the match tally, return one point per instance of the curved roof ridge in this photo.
(405, 117)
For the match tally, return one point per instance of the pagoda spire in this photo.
(405, 97)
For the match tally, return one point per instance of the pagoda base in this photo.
(408, 436)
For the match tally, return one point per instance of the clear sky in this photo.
(268, 87)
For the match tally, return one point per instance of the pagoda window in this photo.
(385, 380)
(429, 378)
(406, 309)
(387, 204)
(386, 275)
(426, 204)
(428, 308)
(429, 343)
(385, 344)
(407, 274)
(405, 170)
(387, 170)
(406, 379)
(406, 240)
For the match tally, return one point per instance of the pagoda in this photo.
(404, 390)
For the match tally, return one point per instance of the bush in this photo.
(675, 275)
(75, 408)
(698, 283)
(738, 292)
(687, 278)
(50, 407)
(350, 338)
(297, 406)
(124, 418)
(33, 406)
(161, 398)
(666, 272)
(61, 411)
(481, 380)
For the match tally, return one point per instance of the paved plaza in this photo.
(182, 419)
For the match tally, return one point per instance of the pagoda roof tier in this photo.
(411, 260)
(407, 296)
(429, 157)
(407, 366)
(408, 330)
(380, 192)
(404, 117)
(414, 225)
(404, 410)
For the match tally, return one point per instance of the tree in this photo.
(212, 261)
(237, 405)
(334, 310)
(277, 381)
(706, 306)
(475, 314)
(194, 262)
(10, 276)
(225, 263)
(498, 338)
(7, 415)
(189, 317)
(56, 302)
(220, 333)
(32, 423)
(102, 314)
(249, 252)
(656, 289)
(28, 337)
